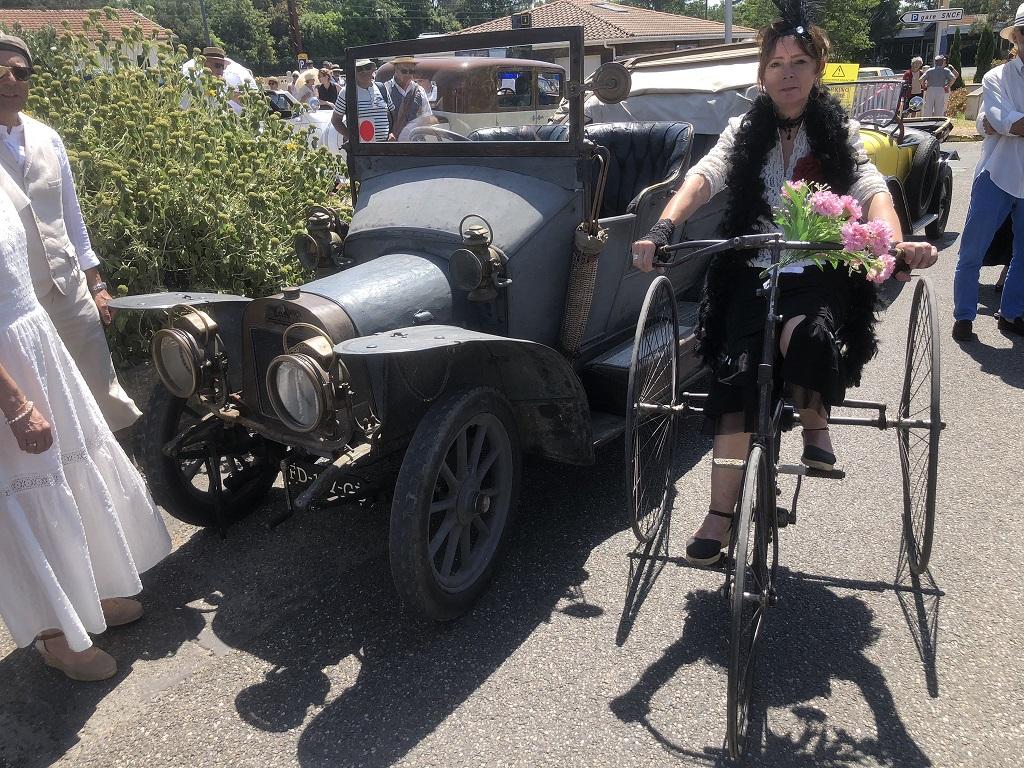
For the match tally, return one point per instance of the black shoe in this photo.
(818, 458)
(1011, 326)
(963, 330)
(707, 551)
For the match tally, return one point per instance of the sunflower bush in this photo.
(175, 197)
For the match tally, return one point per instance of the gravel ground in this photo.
(286, 647)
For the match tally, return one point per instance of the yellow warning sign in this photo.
(840, 73)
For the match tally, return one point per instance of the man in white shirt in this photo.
(935, 82)
(409, 101)
(36, 174)
(373, 113)
(998, 192)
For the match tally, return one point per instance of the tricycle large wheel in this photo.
(454, 499)
(179, 478)
(942, 204)
(650, 422)
(754, 556)
(919, 444)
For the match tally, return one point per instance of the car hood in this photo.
(431, 202)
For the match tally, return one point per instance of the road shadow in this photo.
(1002, 362)
(919, 598)
(647, 559)
(401, 677)
(813, 637)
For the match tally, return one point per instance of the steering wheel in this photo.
(506, 91)
(421, 132)
(877, 116)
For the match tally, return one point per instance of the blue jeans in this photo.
(989, 208)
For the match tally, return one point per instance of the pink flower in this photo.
(879, 237)
(794, 186)
(826, 203)
(851, 207)
(855, 237)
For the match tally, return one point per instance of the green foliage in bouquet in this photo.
(175, 198)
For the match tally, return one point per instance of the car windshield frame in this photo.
(573, 36)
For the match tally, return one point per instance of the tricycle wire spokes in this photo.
(650, 433)
(755, 541)
(919, 446)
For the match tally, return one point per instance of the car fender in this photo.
(410, 368)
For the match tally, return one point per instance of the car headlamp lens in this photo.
(298, 390)
(177, 359)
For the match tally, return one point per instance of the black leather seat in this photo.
(556, 132)
(642, 154)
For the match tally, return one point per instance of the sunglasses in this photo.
(19, 73)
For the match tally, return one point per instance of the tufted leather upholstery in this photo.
(642, 154)
(556, 132)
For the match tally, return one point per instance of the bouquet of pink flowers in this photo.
(810, 212)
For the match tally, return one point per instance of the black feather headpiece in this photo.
(798, 16)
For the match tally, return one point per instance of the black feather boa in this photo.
(832, 161)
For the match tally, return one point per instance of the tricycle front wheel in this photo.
(454, 499)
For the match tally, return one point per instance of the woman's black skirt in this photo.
(813, 367)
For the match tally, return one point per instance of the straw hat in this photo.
(1018, 21)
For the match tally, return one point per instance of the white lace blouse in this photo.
(715, 165)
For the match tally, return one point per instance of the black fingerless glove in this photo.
(661, 233)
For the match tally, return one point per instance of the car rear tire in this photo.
(941, 205)
(923, 177)
(180, 483)
(453, 503)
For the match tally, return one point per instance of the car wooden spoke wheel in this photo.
(919, 427)
(650, 420)
(754, 554)
(178, 440)
(453, 502)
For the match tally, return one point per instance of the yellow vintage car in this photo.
(908, 151)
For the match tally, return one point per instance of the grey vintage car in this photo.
(480, 306)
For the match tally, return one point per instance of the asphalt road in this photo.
(286, 647)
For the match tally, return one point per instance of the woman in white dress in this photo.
(77, 525)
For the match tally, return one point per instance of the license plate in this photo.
(300, 476)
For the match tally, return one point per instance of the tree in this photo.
(954, 61)
(885, 22)
(986, 50)
(846, 21)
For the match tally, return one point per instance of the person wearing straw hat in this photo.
(997, 192)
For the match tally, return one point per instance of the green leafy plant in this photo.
(986, 50)
(176, 198)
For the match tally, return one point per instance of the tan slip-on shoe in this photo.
(118, 611)
(88, 666)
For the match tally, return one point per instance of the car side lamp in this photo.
(478, 267)
(323, 245)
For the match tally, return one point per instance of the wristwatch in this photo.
(97, 287)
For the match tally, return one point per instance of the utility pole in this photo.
(206, 23)
(728, 21)
(295, 33)
(940, 29)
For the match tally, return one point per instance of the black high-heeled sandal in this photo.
(818, 458)
(708, 551)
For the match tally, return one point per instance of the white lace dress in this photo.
(76, 522)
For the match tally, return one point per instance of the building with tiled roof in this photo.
(614, 31)
(33, 20)
(90, 23)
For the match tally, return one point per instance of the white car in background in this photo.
(301, 118)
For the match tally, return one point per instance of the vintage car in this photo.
(708, 86)
(480, 306)
(303, 119)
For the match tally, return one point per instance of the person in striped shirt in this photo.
(374, 110)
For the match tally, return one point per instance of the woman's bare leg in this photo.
(814, 420)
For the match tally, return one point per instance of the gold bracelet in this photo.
(21, 413)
